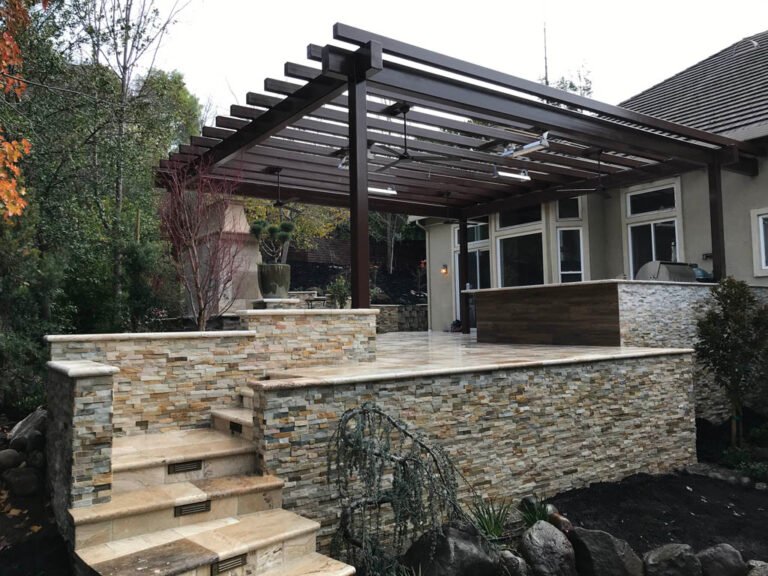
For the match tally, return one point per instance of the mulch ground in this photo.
(649, 511)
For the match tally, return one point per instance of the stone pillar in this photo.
(79, 436)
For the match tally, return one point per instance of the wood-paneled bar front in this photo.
(584, 314)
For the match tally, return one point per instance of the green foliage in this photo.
(757, 471)
(338, 292)
(491, 516)
(533, 512)
(377, 464)
(273, 238)
(58, 262)
(732, 344)
(735, 457)
(759, 435)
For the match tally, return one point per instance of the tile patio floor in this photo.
(400, 354)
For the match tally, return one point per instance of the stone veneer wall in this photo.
(296, 338)
(402, 318)
(172, 380)
(664, 315)
(78, 436)
(167, 380)
(512, 432)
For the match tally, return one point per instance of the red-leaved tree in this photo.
(194, 215)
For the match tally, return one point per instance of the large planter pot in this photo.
(275, 280)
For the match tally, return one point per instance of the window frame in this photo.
(652, 213)
(759, 219)
(652, 224)
(656, 216)
(580, 230)
(572, 218)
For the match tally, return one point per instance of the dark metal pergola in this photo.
(437, 131)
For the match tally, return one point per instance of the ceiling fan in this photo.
(279, 203)
(404, 155)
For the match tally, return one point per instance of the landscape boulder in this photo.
(547, 551)
(722, 560)
(36, 459)
(672, 560)
(21, 481)
(513, 565)
(34, 422)
(458, 551)
(10, 458)
(601, 554)
(757, 568)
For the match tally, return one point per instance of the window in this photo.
(527, 215)
(522, 260)
(652, 241)
(477, 231)
(568, 209)
(651, 201)
(479, 271)
(760, 241)
(570, 256)
(762, 230)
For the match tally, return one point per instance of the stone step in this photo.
(312, 565)
(175, 505)
(237, 422)
(259, 543)
(178, 456)
(246, 396)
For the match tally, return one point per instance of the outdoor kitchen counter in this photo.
(597, 313)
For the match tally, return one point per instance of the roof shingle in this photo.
(726, 93)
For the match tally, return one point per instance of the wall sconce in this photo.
(444, 269)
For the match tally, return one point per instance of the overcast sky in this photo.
(226, 48)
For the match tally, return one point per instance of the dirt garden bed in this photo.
(650, 511)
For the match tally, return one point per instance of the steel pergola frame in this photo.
(339, 128)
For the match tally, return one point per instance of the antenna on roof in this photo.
(546, 66)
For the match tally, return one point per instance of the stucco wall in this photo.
(513, 432)
(440, 287)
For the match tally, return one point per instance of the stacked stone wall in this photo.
(511, 432)
(664, 315)
(402, 318)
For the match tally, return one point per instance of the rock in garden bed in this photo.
(652, 511)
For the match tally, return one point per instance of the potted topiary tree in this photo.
(274, 274)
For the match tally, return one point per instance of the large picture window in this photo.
(522, 260)
(652, 241)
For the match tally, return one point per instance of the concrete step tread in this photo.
(242, 416)
(312, 565)
(146, 450)
(163, 496)
(180, 550)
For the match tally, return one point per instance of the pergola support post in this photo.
(714, 173)
(463, 276)
(358, 191)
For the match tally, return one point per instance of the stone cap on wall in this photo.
(309, 312)
(147, 336)
(81, 368)
(587, 283)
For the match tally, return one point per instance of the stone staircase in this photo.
(190, 503)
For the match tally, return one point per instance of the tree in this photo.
(388, 228)
(122, 34)
(14, 15)
(376, 463)
(193, 213)
(310, 222)
(732, 345)
(580, 83)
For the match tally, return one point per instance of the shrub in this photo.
(491, 516)
(735, 458)
(533, 510)
(338, 292)
(732, 345)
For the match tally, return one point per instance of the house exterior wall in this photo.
(606, 246)
(439, 286)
